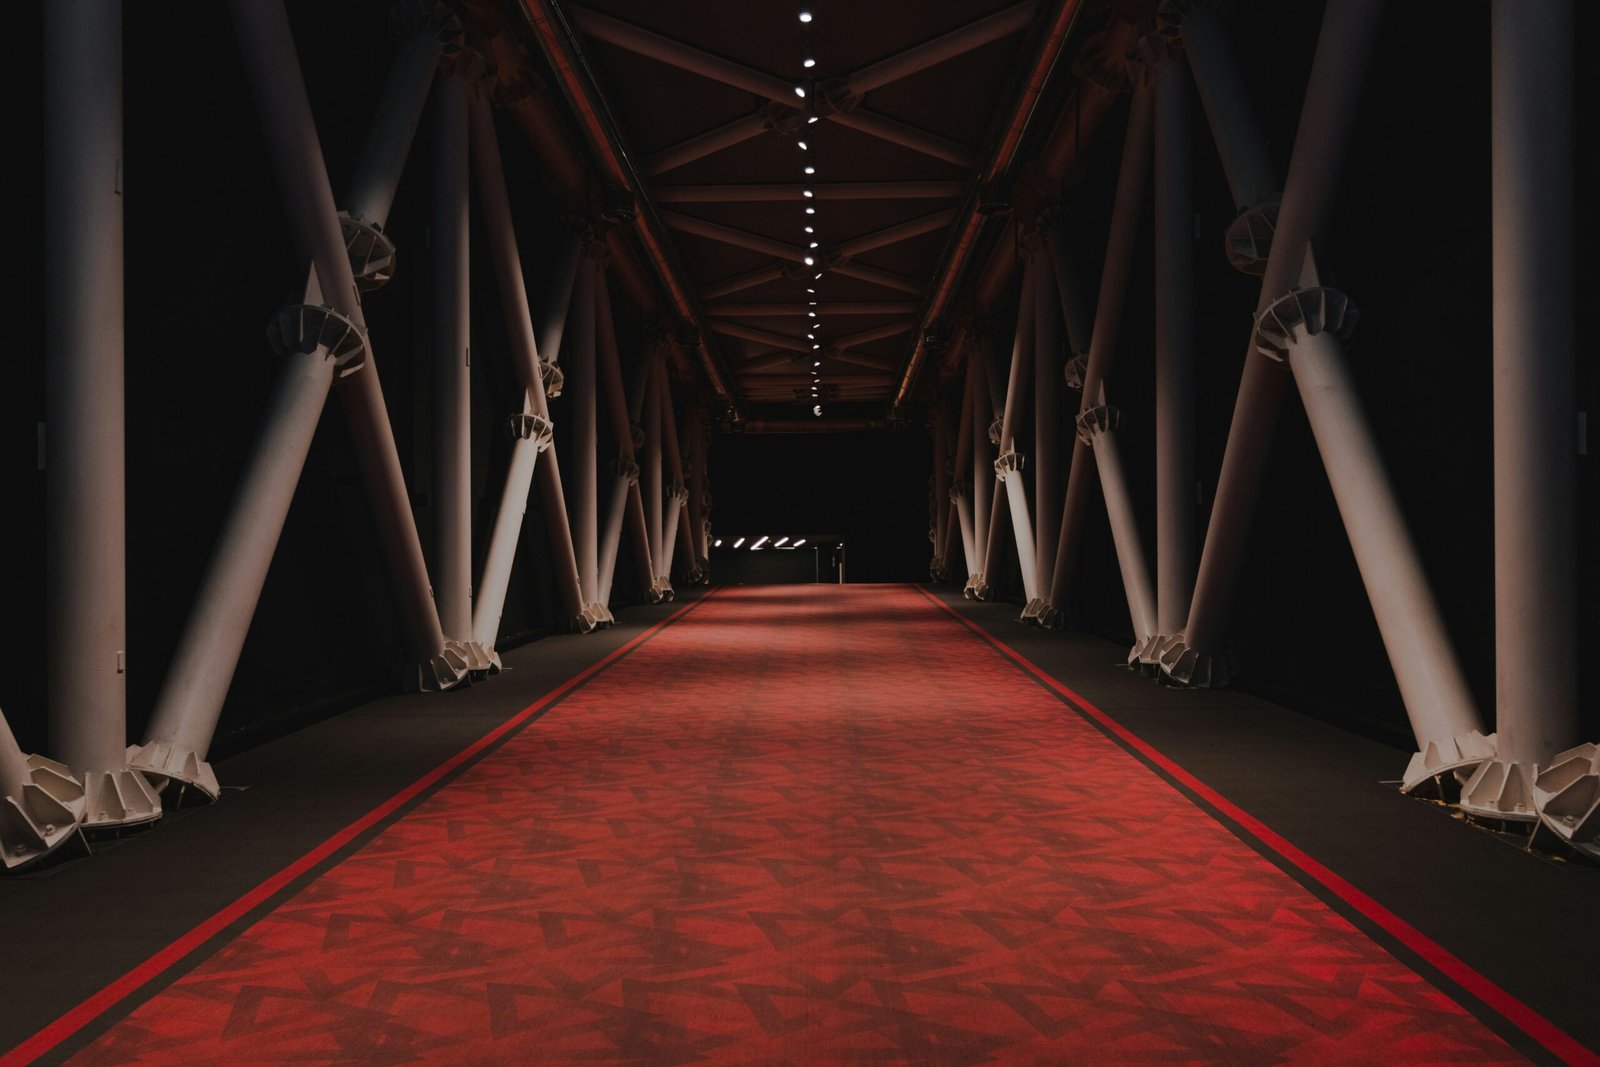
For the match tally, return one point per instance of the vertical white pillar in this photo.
(1535, 518)
(85, 491)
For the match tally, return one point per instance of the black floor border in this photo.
(1517, 1038)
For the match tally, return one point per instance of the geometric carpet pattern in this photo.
(803, 825)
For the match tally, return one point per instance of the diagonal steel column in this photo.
(1174, 283)
(1535, 517)
(900, 231)
(317, 344)
(530, 430)
(939, 490)
(1096, 420)
(1009, 465)
(1197, 656)
(274, 70)
(86, 494)
(452, 340)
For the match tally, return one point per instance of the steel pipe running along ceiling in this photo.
(559, 43)
(1021, 114)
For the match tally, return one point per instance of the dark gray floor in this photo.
(1528, 924)
(1525, 923)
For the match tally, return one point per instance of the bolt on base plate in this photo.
(1186, 666)
(1566, 794)
(114, 799)
(43, 818)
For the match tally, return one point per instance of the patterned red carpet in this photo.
(804, 825)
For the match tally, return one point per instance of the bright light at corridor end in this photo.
(805, 14)
(739, 543)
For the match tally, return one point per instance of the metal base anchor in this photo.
(1501, 789)
(479, 658)
(1566, 794)
(1145, 656)
(661, 591)
(123, 797)
(163, 762)
(594, 616)
(976, 588)
(1457, 756)
(1183, 665)
(1042, 613)
(43, 818)
(444, 670)
(1248, 240)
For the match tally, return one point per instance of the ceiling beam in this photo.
(740, 282)
(887, 129)
(645, 42)
(902, 231)
(743, 194)
(877, 333)
(730, 236)
(887, 279)
(752, 311)
(931, 53)
(712, 141)
(856, 359)
(765, 337)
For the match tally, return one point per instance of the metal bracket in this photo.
(1566, 794)
(1098, 420)
(1248, 238)
(552, 377)
(370, 251)
(1009, 463)
(1302, 313)
(306, 328)
(42, 816)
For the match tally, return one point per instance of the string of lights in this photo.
(810, 222)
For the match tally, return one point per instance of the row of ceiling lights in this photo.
(809, 193)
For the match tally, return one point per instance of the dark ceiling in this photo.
(897, 151)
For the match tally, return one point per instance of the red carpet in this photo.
(803, 825)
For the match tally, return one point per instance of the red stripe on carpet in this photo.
(806, 825)
(69, 1024)
(1530, 1022)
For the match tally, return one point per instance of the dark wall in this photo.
(208, 262)
(1409, 241)
(868, 488)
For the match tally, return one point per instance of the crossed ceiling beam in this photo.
(753, 193)
(760, 311)
(841, 98)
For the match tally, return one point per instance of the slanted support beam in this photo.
(1535, 515)
(320, 340)
(652, 470)
(887, 279)
(1097, 421)
(1009, 466)
(85, 485)
(728, 235)
(676, 493)
(530, 427)
(1047, 382)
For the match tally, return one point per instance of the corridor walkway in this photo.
(801, 825)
